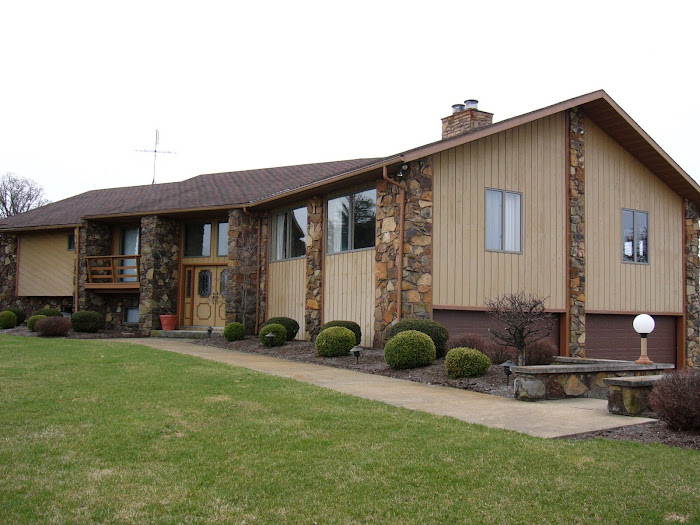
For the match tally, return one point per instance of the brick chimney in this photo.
(465, 117)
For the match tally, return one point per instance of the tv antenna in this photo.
(155, 152)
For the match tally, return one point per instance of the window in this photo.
(128, 245)
(198, 240)
(204, 283)
(71, 242)
(351, 222)
(288, 234)
(222, 240)
(223, 280)
(503, 221)
(130, 315)
(635, 236)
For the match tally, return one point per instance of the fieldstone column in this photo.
(95, 239)
(8, 269)
(577, 230)
(386, 258)
(159, 265)
(314, 262)
(242, 283)
(692, 295)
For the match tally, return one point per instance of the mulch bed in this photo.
(493, 382)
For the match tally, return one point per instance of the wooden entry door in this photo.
(205, 292)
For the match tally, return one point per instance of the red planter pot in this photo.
(168, 322)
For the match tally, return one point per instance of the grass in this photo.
(119, 433)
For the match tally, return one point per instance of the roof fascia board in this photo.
(36, 228)
(161, 212)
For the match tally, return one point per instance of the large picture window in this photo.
(222, 240)
(503, 221)
(635, 236)
(198, 239)
(288, 234)
(351, 222)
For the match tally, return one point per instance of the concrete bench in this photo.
(629, 396)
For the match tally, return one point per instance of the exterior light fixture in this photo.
(644, 325)
(209, 331)
(270, 337)
(356, 352)
(507, 371)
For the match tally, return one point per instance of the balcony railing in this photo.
(117, 273)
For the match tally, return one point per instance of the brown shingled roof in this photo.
(215, 190)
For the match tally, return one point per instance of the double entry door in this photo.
(205, 295)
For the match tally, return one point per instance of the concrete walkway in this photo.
(546, 419)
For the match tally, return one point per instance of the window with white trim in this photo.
(504, 221)
(351, 223)
(288, 234)
(635, 236)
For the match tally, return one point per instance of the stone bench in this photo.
(629, 396)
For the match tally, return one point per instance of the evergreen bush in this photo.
(279, 331)
(335, 341)
(21, 315)
(48, 312)
(32, 321)
(466, 362)
(409, 349)
(234, 332)
(87, 321)
(290, 325)
(7, 320)
(350, 325)
(436, 331)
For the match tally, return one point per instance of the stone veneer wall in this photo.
(464, 121)
(95, 239)
(242, 285)
(314, 264)
(159, 266)
(8, 269)
(264, 255)
(577, 222)
(692, 295)
(417, 281)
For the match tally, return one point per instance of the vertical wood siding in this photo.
(528, 159)
(348, 291)
(287, 293)
(616, 180)
(46, 266)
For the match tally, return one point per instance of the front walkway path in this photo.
(546, 419)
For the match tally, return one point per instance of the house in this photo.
(573, 202)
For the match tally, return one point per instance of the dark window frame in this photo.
(634, 236)
(203, 224)
(71, 242)
(503, 222)
(288, 214)
(351, 222)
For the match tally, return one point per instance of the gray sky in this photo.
(241, 85)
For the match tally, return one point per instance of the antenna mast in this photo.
(155, 152)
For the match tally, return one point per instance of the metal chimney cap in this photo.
(456, 108)
(471, 104)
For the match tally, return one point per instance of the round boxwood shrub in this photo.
(409, 349)
(234, 332)
(350, 325)
(290, 325)
(335, 341)
(7, 319)
(436, 331)
(53, 326)
(32, 321)
(466, 362)
(278, 330)
(87, 321)
(48, 312)
(21, 316)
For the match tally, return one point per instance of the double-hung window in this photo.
(503, 221)
(351, 222)
(635, 236)
(288, 235)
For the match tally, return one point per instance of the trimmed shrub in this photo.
(290, 325)
(676, 399)
(436, 331)
(21, 316)
(540, 352)
(53, 326)
(32, 321)
(48, 312)
(466, 362)
(87, 321)
(7, 319)
(335, 341)
(409, 349)
(278, 330)
(234, 332)
(350, 325)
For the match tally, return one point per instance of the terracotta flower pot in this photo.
(168, 322)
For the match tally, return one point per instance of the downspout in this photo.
(257, 270)
(399, 263)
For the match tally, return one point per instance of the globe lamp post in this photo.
(643, 325)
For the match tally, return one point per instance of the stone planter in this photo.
(168, 322)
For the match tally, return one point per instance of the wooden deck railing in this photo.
(113, 273)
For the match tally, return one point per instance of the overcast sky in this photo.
(242, 85)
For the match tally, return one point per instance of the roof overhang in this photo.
(39, 228)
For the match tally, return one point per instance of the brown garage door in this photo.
(613, 337)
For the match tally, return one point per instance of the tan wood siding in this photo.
(46, 266)
(348, 291)
(528, 159)
(616, 180)
(287, 294)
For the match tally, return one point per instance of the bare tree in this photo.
(525, 320)
(19, 194)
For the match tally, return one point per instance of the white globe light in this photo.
(643, 324)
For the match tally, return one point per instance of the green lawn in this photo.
(107, 432)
